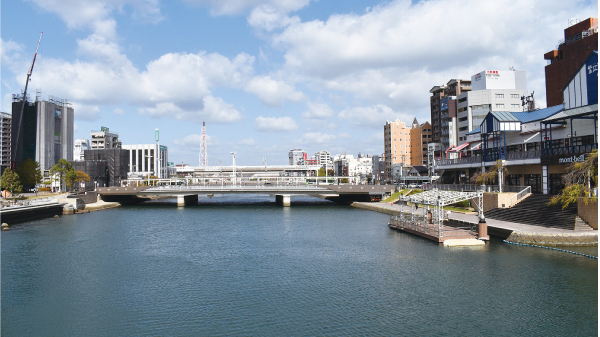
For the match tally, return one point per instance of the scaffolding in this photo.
(429, 220)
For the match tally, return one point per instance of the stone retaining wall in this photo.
(555, 239)
(377, 207)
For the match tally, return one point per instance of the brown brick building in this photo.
(579, 42)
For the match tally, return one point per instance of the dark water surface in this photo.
(245, 266)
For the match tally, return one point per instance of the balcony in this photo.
(575, 149)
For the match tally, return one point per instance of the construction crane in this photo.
(12, 164)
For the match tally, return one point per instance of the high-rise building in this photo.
(396, 143)
(5, 138)
(420, 137)
(46, 131)
(440, 116)
(580, 40)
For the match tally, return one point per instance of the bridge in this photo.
(188, 194)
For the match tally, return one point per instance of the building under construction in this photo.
(46, 131)
(106, 167)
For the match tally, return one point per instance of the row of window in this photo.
(511, 95)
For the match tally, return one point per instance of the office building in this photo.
(143, 161)
(491, 90)
(580, 40)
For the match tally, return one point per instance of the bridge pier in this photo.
(283, 199)
(183, 200)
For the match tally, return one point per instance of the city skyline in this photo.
(267, 76)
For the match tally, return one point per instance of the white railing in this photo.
(515, 198)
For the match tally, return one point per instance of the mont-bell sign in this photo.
(572, 159)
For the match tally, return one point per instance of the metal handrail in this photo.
(515, 198)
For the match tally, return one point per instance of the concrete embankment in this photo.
(509, 231)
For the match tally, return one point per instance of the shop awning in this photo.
(460, 147)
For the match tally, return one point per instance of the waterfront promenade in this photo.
(510, 231)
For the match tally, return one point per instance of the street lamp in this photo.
(233, 155)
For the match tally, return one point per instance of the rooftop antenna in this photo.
(23, 101)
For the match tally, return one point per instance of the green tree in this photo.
(10, 182)
(29, 173)
(61, 169)
(579, 180)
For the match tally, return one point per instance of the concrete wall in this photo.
(589, 212)
(494, 200)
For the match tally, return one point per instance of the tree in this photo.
(10, 182)
(61, 169)
(29, 173)
(491, 174)
(579, 180)
(73, 177)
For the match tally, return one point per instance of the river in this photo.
(244, 266)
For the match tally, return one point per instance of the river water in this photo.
(244, 266)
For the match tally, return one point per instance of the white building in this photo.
(324, 159)
(81, 145)
(491, 90)
(297, 157)
(104, 139)
(143, 161)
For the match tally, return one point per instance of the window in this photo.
(499, 106)
(515, 106)
(464, 99)
(463, 119)
(499, 95)
(514, 95)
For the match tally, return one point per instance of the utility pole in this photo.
(12, 164)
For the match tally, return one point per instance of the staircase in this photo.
(533, 210)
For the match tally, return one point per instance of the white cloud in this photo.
(248, 142)
(318, 138)
(119, 111)
(92, 14)
(213, 110)
(193, 141)
(273, 92)
(395, 52)
(86, 112)
(373, 116)
(275, 124)
(233, 7)
(318, 111)
(268, 17)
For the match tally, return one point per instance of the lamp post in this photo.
(233, 155)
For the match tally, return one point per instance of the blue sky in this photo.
(267, 76)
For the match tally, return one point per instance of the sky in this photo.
(267, 76)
